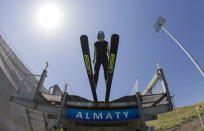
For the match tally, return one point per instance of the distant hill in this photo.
(177, 117)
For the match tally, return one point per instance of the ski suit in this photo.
(101, 57)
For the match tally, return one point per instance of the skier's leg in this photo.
(105, 66)
(96, 70)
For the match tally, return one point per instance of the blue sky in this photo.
(139, 51)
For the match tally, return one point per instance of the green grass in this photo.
(177, 117)
(201, 129)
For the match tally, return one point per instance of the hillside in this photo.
(177, 117)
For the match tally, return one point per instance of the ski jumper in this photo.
(101, 57)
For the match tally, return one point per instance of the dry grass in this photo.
(177, 117)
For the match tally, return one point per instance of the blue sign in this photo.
(102, 115)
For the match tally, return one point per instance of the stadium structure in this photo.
(26, 105)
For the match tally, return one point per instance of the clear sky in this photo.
(139, 50)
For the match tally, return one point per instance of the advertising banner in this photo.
(102, 115)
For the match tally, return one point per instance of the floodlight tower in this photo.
(160, 25)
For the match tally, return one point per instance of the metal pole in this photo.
(63, 102)
(165, 86)
(172, 100)
(197, 108)
(136, 88)
(187, 53)
(142, 117)
(40, 83)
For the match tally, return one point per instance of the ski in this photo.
(87, 62)
(111, 63)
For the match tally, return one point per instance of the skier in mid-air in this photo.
(101, 51)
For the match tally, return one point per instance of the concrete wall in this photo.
(75, 126)
(14, 75)
(12, 116)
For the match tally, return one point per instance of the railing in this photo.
(17, 71)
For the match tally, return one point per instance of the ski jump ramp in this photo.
(25, 105)
(74, 113)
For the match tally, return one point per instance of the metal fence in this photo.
(14, 67)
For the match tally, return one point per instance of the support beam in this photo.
(165, 84)
(139, 104)
(60, 112)
(40, 83)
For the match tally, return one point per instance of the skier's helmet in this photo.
(100, 34)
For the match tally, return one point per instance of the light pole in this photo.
(197, 109)
(160, 25)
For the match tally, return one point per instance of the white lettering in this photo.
(87, 116)
(100, 115)
(109, 116)
(79, 115)
(118, 115)
(97, 116)
(126, 114)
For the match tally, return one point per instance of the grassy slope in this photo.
(177, 117)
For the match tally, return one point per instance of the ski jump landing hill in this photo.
(74, 113)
